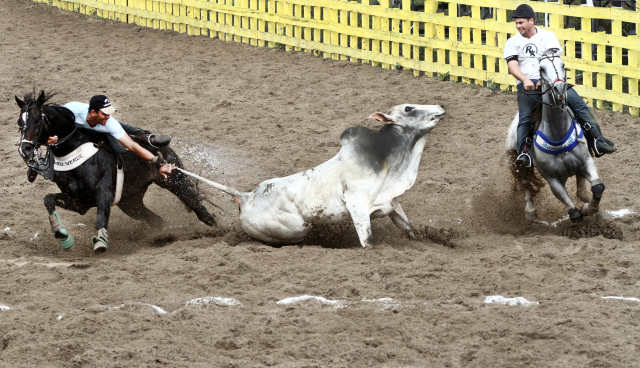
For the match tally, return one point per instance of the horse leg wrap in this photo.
(597, 191)
(100, 241)
(63, 236)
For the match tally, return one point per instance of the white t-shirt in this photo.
(528, 50)
(81, 110)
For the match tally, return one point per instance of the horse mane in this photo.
(32, 97)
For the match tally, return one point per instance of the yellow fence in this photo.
(461, 40)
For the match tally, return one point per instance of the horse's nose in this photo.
(26, 150)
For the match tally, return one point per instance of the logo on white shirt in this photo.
(531, 50)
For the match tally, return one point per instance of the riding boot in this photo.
(598, 144)
(31, 175)
(153, 140)
(158, 140)
(524, 146)
(145, 136)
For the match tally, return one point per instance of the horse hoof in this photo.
(67, 242)
(575, 215)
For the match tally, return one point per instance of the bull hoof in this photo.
(67, 242)
(575, 215)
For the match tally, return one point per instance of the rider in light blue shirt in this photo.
(81, 110)
(97, 116)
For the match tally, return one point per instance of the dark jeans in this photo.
(118, 148)
(527, 103)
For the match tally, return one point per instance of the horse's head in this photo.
(34, 126)
(553, 77)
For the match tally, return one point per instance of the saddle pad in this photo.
(567, 143)
(76, 158)
(119, 183)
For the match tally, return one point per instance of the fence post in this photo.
(354, 40)
(453, 36)
(616, 60)
(501, 16)
(430, 8)
(634, 64)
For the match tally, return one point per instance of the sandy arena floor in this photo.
(192, 296)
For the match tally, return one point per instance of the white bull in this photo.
(371, 170)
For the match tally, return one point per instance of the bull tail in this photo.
(240, 197)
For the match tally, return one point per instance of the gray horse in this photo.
(560, 149)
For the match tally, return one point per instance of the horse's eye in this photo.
(408, 109)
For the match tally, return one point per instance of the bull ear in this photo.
(381, 117)
(41, 98)
(20, 103)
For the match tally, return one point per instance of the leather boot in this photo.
(158, 140)
(598, 144)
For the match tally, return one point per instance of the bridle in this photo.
(552, 84)
(38, 162)
(558, 99)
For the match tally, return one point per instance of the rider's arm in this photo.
(134, 147)
(514, 69)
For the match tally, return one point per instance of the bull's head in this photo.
(420, 117)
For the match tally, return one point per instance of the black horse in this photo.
(93, 184)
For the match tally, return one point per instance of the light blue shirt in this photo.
(81, 110)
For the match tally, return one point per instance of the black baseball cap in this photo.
(523, 11)
(102, 103)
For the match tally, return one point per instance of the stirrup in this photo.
(594, 148)
(524, 160)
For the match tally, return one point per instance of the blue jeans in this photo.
(527, 103)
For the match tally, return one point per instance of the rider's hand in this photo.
(52, 139)
(166, 169)
(528, 85)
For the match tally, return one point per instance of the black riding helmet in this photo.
(523, 11)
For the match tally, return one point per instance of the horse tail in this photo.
(240, 197)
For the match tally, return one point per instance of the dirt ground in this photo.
(188, 295)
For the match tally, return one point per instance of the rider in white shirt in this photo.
(521, 52)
